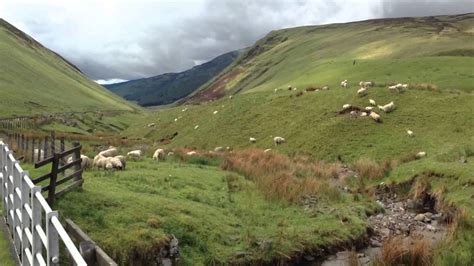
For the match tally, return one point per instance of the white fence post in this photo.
(23, 207)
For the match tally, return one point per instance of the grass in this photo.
(214, 214)
(5, 255)
(34, 80)
(411, 251)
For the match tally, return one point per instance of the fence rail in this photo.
(33, 225)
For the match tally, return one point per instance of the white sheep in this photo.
(151, 125)
(325, 88)
(252, 140)
(219, 149)
(267, 150)
(110, 152)
(116, 163)
(421, 154)
(215, 112)
(278, 140)
(196, 127)
(86, 162)
(344, 83)
(410, 133)
(366, 84)
(108, 165)
(190, 153)
(159, 154)
(372, 102)
(363, 114)
(170, 153)
(369, 108)
(122, 160)
(362, 91)
(136, 154)
(388, 107)
(230, 97)
(176, 119)
(346, 106)
(375, 116)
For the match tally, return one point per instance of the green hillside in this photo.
(436, 50)
(432, 55)
(35, 80)
(171, 87)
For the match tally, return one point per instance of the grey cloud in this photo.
(145, 38)
(410, 8)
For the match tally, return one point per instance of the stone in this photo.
(375, 243)
(431, 228)
(428, 214)
(385, 232)
(420, 217)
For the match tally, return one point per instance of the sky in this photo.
(116, 40)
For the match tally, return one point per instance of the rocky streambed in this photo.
(404, 218)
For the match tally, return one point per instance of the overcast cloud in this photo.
(122, 40)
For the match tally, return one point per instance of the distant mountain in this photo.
(36, 80)
(170, 87)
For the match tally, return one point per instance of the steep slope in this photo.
(438, 49)
(170, 87)
(34, 79)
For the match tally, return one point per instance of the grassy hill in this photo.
(436, 50)
(171, 87)
(35, 80)
(433, 55)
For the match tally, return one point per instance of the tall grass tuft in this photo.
(282, 178)
(399, 251)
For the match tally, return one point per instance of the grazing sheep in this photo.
(353, 113)
(122, 160)
(376, 117)
(110, 152)
(184, 109)
(86, 162)
(151, 125)
(410, 133)
(346, 106)
(366, 84)
(252, 140)
(230, 97)
(363, 114)
(325, 88)
(170, 153)
(362, 91)
(369, 108)
(215, 112)
(372, 102)
(289, 87)
(196, 127)
(344, 83)
(136, 154)
(100, 162)
(40, 152)
(228, 148)
(267, 150)
(176, 119)
(398, 87)
(388, 107)
(278, 140)
(116, 163)
(421, 154)
(219, 149)
(295, 88)
(190, 153)
(108, 165)
(159, 155)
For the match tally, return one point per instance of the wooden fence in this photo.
(57, 167)
(32, 149)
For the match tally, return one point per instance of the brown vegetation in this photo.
(282, 178)
(405, 251)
